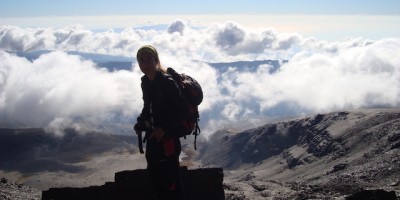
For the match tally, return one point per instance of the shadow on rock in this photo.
(373, 195)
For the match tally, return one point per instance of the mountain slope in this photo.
(35, 151)
(341, 152)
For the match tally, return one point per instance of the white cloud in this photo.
(57, 85)
(229, 41)
(320, 76)
(352, 78)
(231, 110)
(229, 35)
(176, 26)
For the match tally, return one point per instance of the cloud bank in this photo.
(58, 89)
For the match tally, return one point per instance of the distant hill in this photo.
(115, 63)
(249, 66)
(97, 58)
(111, 63)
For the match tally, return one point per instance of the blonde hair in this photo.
(152, 51)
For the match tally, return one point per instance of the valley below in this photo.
(321, 156)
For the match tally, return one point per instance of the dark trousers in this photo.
(164, 169)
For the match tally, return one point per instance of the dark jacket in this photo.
(164, 105)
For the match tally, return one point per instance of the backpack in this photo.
(193, 96)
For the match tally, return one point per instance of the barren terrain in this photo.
(322, 156)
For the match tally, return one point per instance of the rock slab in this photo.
(198, 184)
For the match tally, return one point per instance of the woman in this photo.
(162, 113)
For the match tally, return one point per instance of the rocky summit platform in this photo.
(198, 184)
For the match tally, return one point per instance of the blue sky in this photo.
(34, 8)
(324, 19)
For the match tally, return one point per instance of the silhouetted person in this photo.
(162, 113)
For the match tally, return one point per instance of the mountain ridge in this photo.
(115, 63)
(342, 152)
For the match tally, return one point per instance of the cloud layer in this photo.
(319, 76)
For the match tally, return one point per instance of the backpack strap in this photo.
(196, 133)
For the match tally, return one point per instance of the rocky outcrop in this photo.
(10, 190)
(303, 141)
(198, 184)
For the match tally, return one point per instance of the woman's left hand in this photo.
(158, 134)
